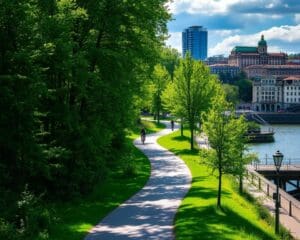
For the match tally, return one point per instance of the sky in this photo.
(238, 23)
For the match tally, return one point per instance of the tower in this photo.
(262, 45)
(194, 40)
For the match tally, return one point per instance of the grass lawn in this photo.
(77, 217)
(198, 217)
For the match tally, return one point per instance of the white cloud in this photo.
(175, 40)
(297, 18)
(212, 7)
(284, 33)
(290, 34)
(207, 7)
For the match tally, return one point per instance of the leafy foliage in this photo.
(190, 94)
(226, 136)
(71, 76)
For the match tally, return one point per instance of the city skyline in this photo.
(238, 22)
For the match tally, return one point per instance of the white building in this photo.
(276, 93)
(267, 94)
(291, 91)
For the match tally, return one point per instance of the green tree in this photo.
(160, 78)
(170, 102)
(245, 89)
(170, 59)
(226, 135)
(191, 92)
(71, 76)
(231, 93)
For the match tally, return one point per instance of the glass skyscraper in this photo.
(194, 40)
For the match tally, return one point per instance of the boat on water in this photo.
(256, 135)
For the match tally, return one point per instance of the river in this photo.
(287, 141)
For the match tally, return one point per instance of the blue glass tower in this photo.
(194, 40)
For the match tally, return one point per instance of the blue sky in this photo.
(238, 22)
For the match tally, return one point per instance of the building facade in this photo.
(244, 56)
(217, 59)
(267, 94)
(255, 71)
(224, 69)
(194, 40)
(276, 93)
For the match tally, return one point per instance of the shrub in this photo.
(7, 231)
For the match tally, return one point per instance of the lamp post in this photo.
(277, 157)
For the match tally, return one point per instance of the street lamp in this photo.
(277, 157)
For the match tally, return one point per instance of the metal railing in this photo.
(269, 162)
(287, 202)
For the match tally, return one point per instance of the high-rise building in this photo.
(194, 40)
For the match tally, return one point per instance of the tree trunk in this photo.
(219, 189)
(192, 137)
(181, 127)
(241, 183)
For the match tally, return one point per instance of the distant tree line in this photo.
(239, 84)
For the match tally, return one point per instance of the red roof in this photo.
(285, 66)
(292, 78)
(277, 54)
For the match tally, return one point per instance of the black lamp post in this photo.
(277, 157)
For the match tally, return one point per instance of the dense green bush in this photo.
(71, 83)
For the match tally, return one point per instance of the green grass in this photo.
(198, 217)
(151, 127)
(75, 218)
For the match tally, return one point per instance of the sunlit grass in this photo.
(198, 217)
(76, 218)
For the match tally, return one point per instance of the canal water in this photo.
(287, 141)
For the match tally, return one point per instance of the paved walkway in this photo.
(150, 213)
(290, 223)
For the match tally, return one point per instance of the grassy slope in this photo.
(77, 217)
(198, 217)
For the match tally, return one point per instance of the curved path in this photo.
(150, 213)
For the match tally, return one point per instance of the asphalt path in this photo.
(150, 213)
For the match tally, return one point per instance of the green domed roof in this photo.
(262, 41)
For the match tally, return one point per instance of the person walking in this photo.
(172, 124)
(143, 135)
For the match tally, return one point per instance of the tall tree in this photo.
(70, 74)
(226, 135)
(193, 89)
(170, 59)
(160, 78)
